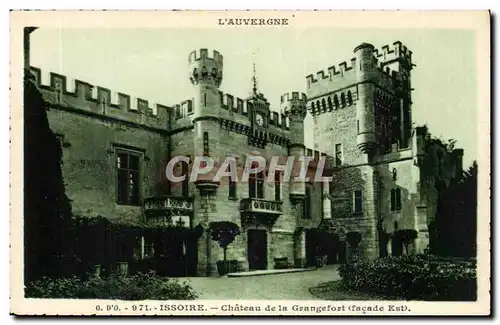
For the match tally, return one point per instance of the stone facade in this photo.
(364, 107)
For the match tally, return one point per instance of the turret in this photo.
(365, 72)
(205, 73)
(295, 107)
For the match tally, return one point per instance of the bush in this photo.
(142, 286)
(413, 277)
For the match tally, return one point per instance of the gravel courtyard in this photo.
(290, 286)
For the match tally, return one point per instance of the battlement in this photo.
(203, 54)
(82, 96)
(332, 72)
(390, 52)
(237, 105)
(293, 96)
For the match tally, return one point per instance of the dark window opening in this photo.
(232, 185)
(277, 186)
(307, 203)
(349, 98)
(185, 182)
(336, 101)
(127, 166)
(330, 105)
(342, 99)
(338, 154)
(358, 201)
(395, 199)
(206, 149)
(323, 104)
(256, 185)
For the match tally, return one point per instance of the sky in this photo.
(152, 64)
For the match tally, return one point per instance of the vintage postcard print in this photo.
(250, 163)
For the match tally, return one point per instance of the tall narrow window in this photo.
(349, 98)
(342, 99)
(396, 199)
(127, 166)
(206, 149)
(336, 101)
(358, 201)
(185, 182)
(330, 105)
(323, 104)
(256, 184)
(338, 154)
(277, 186)
(232, 186)
(357, 125)
(313, 107)
(204, 99)
(307, 203)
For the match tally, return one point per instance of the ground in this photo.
(290, 286)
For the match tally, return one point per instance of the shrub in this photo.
(413, 277)
(353, 239)
(142, 286)
(224, 233)
(406, 237)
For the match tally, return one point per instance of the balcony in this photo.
(260, 206)
(167, 206)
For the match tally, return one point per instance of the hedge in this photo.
(142, 286)
(413, 277)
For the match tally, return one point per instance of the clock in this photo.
(259, 119)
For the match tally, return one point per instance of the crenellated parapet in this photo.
(294, 105)
(396, 51)
(236, 105)
(83, 97)
(342, 74)
(206, 67)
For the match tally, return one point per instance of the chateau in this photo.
(386, 176)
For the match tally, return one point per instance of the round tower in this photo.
(205, 73)
(365, 116)
(295, 107)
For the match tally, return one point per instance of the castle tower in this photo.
(365, 118)
(295, 107)
(205, 73)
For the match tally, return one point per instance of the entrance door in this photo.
(311, 247)
(257, 249)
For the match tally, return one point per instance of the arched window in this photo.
(313, 107)
(318, 105)
(336, 101)
(349, 98)
(394, 174)
(342, 99)
(323, 104)
(330, 106)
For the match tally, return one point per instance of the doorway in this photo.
(311, 247)
(257, 249)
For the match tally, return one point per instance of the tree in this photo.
(47, 209)
(224, 232)
(406, 237)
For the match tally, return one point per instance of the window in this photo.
(358, 201)
(312, 107)
(357, 125)
(178, 111)
(349, 98)
(342, 99)
(307, 203)
(232, 186)
(338, 154)
(323, 104)
(185, 182)
(127, 166)
(336, 101)
(206, 149)
(277, 186)
(330, 105)
(394, 174)
(256, 184)
(204, 99)
(396, 199)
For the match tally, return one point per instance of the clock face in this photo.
(259, 119)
